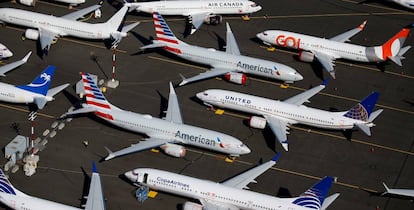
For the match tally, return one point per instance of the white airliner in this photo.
(326, 51)
(48, 28)
(232, 193)
(228, 63)
(278, 115)
(8, 67)
(197, 12)
(18, 200)
(164, 133)
(5, 52)
(36, 92)
(405, 3)
(398, 192)
(70, 2)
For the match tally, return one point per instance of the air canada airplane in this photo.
(36, 92)
(48, 28)
(326, 51)
(230, 63)
(197, 12)
(278, 115)
(18, 200)
(8, 67)
(232, 193)
(164, 133)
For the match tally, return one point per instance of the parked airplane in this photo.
(18, 200)
(398, 192)
(164, 133)
(8, 67)
(48, 28)
(197, 12)
(326, 51)
(405, 3)
(36, 92)
(231, 194)
(70, 2)
(278, 115)
(5, 52)
(227, 63)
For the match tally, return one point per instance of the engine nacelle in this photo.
(213, 19)
(192, 206)
(32, 34)
(257, 122)
(27, 2)
(306, 56)
(174, 150)
(236, 78)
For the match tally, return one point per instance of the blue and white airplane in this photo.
(164, 133)
(5, 52)
(232, 193)
(8, 67)
(18, 200)
(36, 92)
(231, 63)
(278, 115)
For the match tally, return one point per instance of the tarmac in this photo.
(360, 163)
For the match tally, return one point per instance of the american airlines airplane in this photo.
(36, 92)
(232, 193)
(278, 115)
(164, 133)
(70, 2)
(8, 67)
(197, 12)
(230, 63)
(398, 192)
(326, 51)
(5, 52)
(48, 28)
(18, 200)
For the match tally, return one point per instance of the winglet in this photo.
(361, 27)
(26, 58)
(325, 82)
(276, 157)
(110, 154)
(184, 80)
(94, 169)
(172, 91)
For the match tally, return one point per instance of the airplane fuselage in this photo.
(12, 94)
(310, 43)
(289, 112)
(60, 26)
(208, 190)
(18, 202)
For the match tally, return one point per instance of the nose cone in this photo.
(298, 77)
(260, 36)
(130, 175)
(5, 53)
(200, 95)
(257, 8)
(245, 150)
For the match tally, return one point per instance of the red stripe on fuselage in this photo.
(173, 50)
(104, 115)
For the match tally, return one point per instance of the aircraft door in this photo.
(145, 178)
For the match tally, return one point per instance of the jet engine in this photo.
(28, 2)
(192, 206)
(306, 56)
(213, 19)
(257, 122)
(236, 78)
(32, 34)
(174, 150)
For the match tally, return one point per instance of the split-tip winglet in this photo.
(110, 154)
(94, 169)
(276, 157)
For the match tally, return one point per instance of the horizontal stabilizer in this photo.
(40, 102)
(52, 92)
(404, 50)
(396, 60)
(129, 27)
(155, 44)
(85, 109)
(329, 200)
(364, 128)
(374, 115)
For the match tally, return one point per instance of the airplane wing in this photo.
(46, 38)
(280, 129)
(142, 145)
(197, 18)
(173, 111)
(344, 37)
(208, 74)
(8, 67)
(327, 61)
(231, 43)
(215, 205)
(305, 96)
(242, 180)
(80, 13)
(95, 199)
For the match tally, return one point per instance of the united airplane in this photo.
(164, 133)
(70, 2)
(47, 28)
(36, 92)
(230, 63)
(197, 12)
(8, 67)
(231, 194)
(15, 199)
(278, 115)
(5, 52)
(326, 51)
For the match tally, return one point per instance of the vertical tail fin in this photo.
(41, 83)
(363, 109)
(391, 48)
(6, 186)
(162, 30)
(93, 95)
(314, 197)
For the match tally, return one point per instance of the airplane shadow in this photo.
(163, 105)
(86, 186)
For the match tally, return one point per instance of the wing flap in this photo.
(305, 96)
(46, 38)
(327, 61)
(280, 129)
(197, 19)
(205, 75)
(80, 13)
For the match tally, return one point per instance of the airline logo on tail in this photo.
(363, 110)
(164, 33)
(41, 83)
(38, 83)
(392, 47)
(5, 185)
(313, 198)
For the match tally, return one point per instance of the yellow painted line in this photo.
(27, 111)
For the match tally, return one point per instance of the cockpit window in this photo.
(205, 94)
(264, 33)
